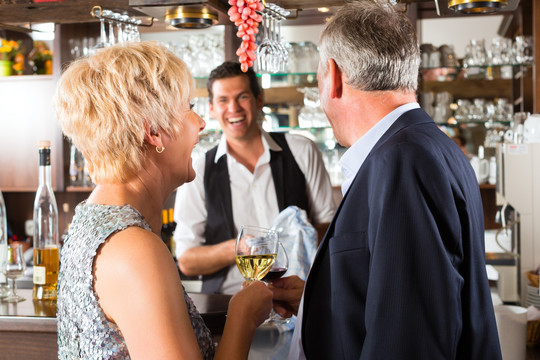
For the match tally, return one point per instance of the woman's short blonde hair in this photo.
(103, 103)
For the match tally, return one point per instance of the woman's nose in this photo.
(202, 123)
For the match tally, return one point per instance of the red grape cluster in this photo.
(244, 15)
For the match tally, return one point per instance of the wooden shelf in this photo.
(464, 88)
(276, 95)
(79, 188)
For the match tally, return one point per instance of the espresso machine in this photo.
(518, 194)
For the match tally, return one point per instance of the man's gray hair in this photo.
(374, 45)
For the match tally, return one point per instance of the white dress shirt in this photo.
(350, 162)
(253, 196)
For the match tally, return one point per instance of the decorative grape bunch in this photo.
(243, 14)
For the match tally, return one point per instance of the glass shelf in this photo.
(476, 66)
(274, 80)
(494, 124)
(306, 74)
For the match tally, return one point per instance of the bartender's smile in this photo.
(236, 120)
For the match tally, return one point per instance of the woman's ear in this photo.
(153, 137)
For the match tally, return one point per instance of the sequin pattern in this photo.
(83, 330)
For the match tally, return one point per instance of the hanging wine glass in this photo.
(102, 35)
(265, 48)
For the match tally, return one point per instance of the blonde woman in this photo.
(127, 109)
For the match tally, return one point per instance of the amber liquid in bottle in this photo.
(46, 265)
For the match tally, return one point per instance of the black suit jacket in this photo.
(401, 273)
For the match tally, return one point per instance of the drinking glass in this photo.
(280, 267)
(256, 250)
(13, 267)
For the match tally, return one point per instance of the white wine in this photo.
(255, 267)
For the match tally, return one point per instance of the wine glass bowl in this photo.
(256, 250)
(280, 267)
(13, 267)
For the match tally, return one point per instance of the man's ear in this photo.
(335, 78)
(260, 100)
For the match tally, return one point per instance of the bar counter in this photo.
(28, 328)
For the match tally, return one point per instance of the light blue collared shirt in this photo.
(354, 157)
(350, 163)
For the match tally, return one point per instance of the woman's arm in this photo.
(139, 289)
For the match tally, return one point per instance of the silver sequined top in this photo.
(83, 330)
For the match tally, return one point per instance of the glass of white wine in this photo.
(256, 250)
(13, 267)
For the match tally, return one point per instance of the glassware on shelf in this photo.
(311, 115)
(523, 49)
(201, 53)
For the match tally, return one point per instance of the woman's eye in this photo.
(191, 106)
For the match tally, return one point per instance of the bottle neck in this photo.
(45, 167)
(45, 175)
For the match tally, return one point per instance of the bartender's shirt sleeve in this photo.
(319, 188)
(190, 212)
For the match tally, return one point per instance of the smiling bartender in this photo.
(246, 180)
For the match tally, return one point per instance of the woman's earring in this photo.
(159, 151)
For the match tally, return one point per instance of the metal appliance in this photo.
(518, 185)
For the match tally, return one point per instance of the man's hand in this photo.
(287, 295)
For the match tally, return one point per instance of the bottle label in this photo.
(40, 273)
(44, 157)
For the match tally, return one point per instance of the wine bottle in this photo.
(46, 248)
(172, 227)
(73, 167)
(3, 245)
(165, 227)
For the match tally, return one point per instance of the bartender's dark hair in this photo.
(231, 69)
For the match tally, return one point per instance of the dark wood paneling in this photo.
(489, 202)
(28, 345)
(472, 88)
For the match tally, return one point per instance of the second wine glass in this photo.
(280, 267)
(13, 267)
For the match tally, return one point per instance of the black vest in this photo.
(290, 184)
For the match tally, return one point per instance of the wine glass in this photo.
(13, 267)
(256, 250)
(280, 267)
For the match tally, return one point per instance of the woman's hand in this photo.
(287, 295)
(253, 302)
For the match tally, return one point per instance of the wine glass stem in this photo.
(14, 288)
